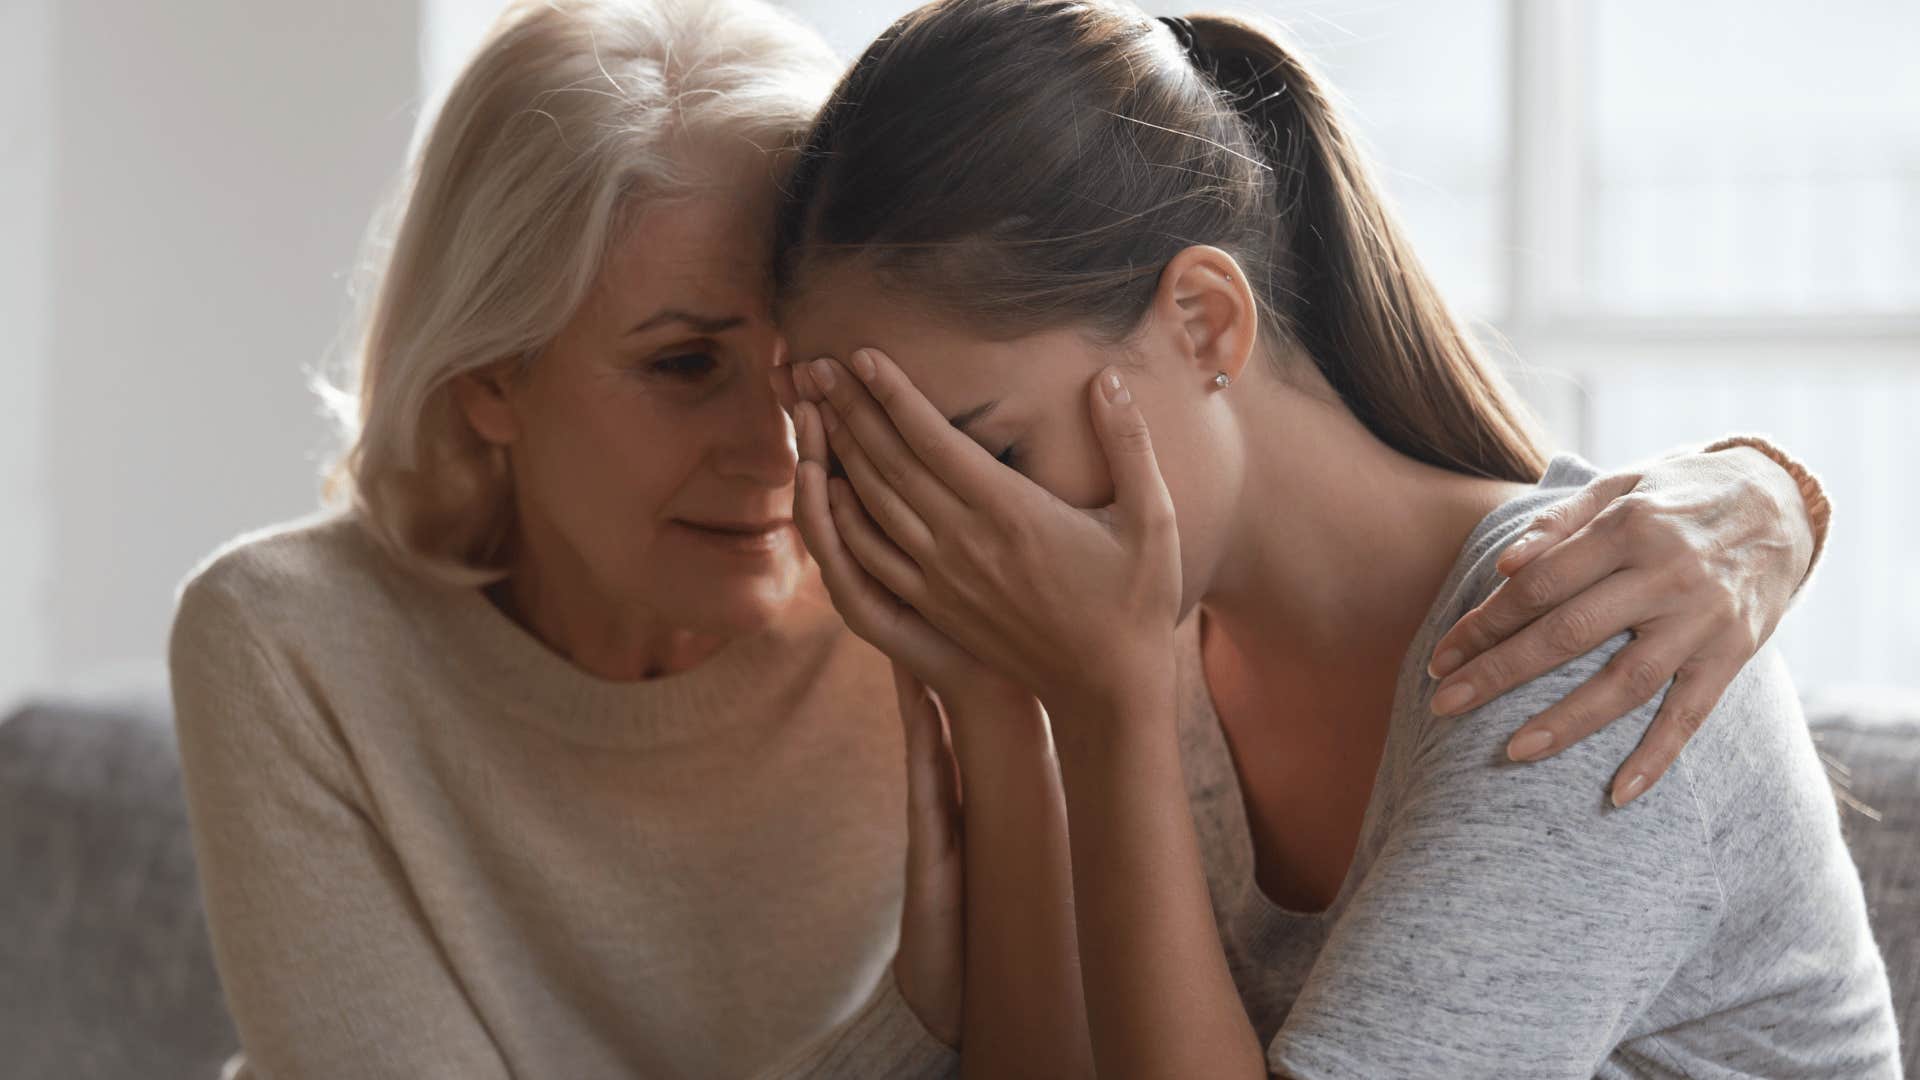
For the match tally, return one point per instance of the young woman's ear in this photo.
(1206, 301)
(483, 399)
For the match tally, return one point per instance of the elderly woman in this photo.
(544, 754)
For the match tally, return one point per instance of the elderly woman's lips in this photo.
(762, 536)
(739, 528)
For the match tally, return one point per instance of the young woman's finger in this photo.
(809, 436)
(963, 465)
(1631, 679)
(883, 443)
(1140, 494)
(1575, 628)
(870, 611)
(813, 517)
(1545, 583)
(1563, 519)
(871, 548)
(1696, 689)
(803, 383)
(895, 516)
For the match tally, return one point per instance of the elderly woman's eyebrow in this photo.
(704, 324)
(961, 420)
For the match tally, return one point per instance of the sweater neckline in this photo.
(745, 678)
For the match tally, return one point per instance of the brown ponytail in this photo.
(1024, 164)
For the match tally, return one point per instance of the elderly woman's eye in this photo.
(687, 366)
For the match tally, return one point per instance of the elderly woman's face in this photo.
(648, 449)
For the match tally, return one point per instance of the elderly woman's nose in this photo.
(758, 443)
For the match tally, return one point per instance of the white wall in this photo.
(26, 255)
(207, 170)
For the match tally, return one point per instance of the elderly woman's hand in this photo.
(1697, 555)
(930, 965)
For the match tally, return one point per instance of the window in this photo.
(1752, 158)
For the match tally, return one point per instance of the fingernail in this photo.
(863, 365)
(823, 373)
(1116, 391)
(1627, 792)
(1452, 699)
(1446, 663)
(828, 417)
(1529, 745)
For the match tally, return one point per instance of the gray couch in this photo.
(104, 965)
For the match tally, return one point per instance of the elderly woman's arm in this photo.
(327, 963)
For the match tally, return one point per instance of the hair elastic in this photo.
(1182, 31)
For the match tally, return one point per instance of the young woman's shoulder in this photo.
(1620, 923)
(1452, 778)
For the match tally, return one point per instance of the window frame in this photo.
(1549, 101)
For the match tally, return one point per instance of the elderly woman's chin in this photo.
(731, 582)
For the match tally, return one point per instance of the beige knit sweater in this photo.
(431, 847)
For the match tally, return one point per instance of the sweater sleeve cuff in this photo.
(884, 1039)
(1813, 495)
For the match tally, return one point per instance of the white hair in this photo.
(570, 111)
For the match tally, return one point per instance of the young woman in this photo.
(543, 754)
(1027, 231)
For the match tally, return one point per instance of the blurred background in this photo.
(1685, 220)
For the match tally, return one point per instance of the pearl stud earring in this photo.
(1222, 380)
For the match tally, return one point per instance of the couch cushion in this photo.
(1875, 764)
(105, 969)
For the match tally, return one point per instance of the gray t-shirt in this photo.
(1505, 920)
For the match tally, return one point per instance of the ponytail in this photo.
(1345, 283)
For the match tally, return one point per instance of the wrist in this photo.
(988, 695)
(1796, 492)
(991, 719)
(1097, 721)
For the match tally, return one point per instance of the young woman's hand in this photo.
(930, 965)
(1077, 606)
(870, 611)
(1697, 555)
